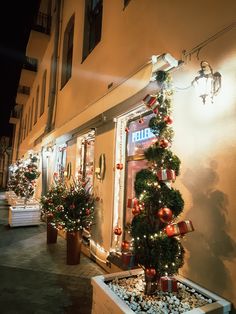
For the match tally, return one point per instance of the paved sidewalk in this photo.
(34, 277)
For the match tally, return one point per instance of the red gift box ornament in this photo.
(164, 143)
(132, 202)
(151, 102)
(166, 175)
(179, 228)
(168, 284)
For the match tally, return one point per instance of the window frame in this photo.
(67, 56)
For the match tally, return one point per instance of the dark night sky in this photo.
(15, 23)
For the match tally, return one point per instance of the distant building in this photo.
(88, 66)
(5, 157)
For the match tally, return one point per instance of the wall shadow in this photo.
(210, 244)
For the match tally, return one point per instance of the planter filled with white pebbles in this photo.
(124, 293)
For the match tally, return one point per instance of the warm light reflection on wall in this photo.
(202, 129)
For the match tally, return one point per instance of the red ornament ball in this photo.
(136, 210)
(165, 214)
(125, 245)
(118, 231)
(119, 166)
(168, 120)
(163, 143)
(150, 272)
(127, 130)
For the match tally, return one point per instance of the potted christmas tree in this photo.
(156, 233)
(25, 210)
(74, 215)
(50, 204)
(23, 180)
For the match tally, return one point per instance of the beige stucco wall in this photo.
(129, 38)
(206, 143)
(104, 144)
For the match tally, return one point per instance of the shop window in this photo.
(67, 52)
(139, 138)
(85, 161)
(133, 136)
(59, 162)
(92, 25)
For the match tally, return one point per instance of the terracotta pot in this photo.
(51, 231)
(73, 241)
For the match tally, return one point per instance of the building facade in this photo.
(88, 66)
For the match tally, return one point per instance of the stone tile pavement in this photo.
(34, 277)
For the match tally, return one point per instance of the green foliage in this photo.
(157, 126)
(54, 198)
(162, 76)
(163, 253)
(152, 246)
(171, 198)
(144, 180)
(23, 175)
(163, 158)
(75, 209)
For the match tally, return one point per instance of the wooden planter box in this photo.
(24, 215)
(105, 301)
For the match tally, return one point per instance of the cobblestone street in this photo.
(34, 277)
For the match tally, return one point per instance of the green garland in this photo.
(152, 247)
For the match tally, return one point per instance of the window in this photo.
(85, 160)
(133, 136)
(43, 92)
(139, 138)
(92, 25)
(67, 52)
(36, 106)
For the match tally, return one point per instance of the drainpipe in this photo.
(19, 133)
(55, 58)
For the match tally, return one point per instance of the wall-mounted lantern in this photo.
(207, 83)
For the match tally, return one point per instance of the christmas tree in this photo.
(156, 234)
(70, 205)
(54, 198)
(23, 175)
